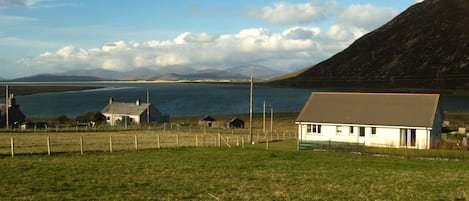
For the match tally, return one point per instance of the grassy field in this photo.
(252, 173)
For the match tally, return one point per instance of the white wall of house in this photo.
(374, 135)
(112, 118)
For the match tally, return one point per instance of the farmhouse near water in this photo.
(15, 116)
(132, 113)
(394, 120)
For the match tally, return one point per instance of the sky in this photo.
(54, 36)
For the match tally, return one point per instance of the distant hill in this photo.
(207, 74)
(138, 74)
(426, 46)
(101, 73)
(257, 71)
(56, 78)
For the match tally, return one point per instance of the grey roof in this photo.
(388, 109)
(125, 108)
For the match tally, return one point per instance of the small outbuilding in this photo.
(393, 120)
(207, 121)
(235, 123)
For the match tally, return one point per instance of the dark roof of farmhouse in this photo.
(207, 118)
(387, 109)
(125, 108)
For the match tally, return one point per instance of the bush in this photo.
(97, 117)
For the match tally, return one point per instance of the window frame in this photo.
(314, 129)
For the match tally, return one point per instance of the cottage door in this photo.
(361, 135)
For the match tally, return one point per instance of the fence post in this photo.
(257, 136)
(196, 141)
(242, 142)
(81, 145)
(48, 145)
(237, 140)
(136, 143)
(219, 139)
(177, 140)
(158, 141)
(12, 144)
(267, 143)
(110, 144)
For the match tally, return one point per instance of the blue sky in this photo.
(53, 36)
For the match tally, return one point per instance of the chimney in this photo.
(12, 102)
(137, 102)
(111, 100)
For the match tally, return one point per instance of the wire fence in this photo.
(446, 150)
(50, 142)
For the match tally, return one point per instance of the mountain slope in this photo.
(426, 46)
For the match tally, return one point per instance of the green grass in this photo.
(229, 174)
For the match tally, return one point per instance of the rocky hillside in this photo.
(426, 46)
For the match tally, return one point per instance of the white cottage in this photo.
(394, 120)
(132, 113)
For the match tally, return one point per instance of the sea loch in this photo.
(185, 99)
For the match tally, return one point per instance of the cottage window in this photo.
(373, 130)
(313, 129)
(108, 118)
(351, 132)
(338, 130)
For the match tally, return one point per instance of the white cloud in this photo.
(291, 48)
(366, 16)
(35, 3)
(18, 3)
(288, 13)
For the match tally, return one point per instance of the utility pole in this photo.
(271, 117)
(250, 113)
(7, 106)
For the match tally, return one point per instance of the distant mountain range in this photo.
(426, 46)
(172, 73)
(56, 78)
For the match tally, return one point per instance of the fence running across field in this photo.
(55, 141)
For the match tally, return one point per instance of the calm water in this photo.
(183, 99)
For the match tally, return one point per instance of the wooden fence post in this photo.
(196, 141)
(237, 140)
(12, 144)
(158, 141)
(177, 141)
(136, 143)
(257, 136)
(81, 145)
(110, 144)
(48, 145)
(242, 142)
(219, 139)
(267, 143)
